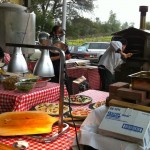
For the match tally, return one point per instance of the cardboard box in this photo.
(124, 104)
(79, 80)
(80, 85)
(127, 124)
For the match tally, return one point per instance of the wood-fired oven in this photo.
(139, 45)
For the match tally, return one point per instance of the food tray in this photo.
(40, 84)
(24, 86)
(26, 123)
(141, 80)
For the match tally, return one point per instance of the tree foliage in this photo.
(49, 12)
(148, 25)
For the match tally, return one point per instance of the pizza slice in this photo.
(98, 104)
(51, 108)
(81, 113)
(78, 99)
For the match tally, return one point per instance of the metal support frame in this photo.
(61, 78)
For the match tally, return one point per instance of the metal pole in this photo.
(27, 3)
(64, 17)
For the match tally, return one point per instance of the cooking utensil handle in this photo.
(50, 139)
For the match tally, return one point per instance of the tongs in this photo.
(41, 139)
(54, 137)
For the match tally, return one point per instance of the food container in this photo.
(29, 80)
(141, 80)
(41, 83)
(25, 86)
(9, 82)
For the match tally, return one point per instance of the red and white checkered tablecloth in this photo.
(64, 141)
(90, 73)
(21, 101)
(96, 95)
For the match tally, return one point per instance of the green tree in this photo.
(114, 24)
(79, 26)
(48, 12)
(148, 25)
(125, 26)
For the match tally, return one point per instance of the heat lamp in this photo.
(44, 66)
(62, 127)
(17, 62)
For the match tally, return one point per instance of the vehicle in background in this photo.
(90, 50)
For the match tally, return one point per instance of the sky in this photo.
(125, 10)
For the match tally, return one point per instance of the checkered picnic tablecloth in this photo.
(64, 141)
(21, 101)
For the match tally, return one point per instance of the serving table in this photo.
(63, 142)
(97, 140)
(91, 73)
(21, 101)
(69, 63)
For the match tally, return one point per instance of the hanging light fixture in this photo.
(61, 128)
(44, 66)
(17, 62)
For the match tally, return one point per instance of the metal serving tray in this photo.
(141, 80)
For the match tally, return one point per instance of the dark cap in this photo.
(123, 41)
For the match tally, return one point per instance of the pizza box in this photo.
(80, 84)
(79, 80)
(126, 124)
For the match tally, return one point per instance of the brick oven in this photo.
(138, 44)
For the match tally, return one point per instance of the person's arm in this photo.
(64, 47)
(67, 56)
(55, 58)
(124, 55)
(117, 46)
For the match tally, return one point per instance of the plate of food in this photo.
(97, 104)
(51, 108)
(78, 99)
(80, 113)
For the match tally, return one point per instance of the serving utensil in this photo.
(50, 138)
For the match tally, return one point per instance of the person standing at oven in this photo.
(55, 36)
(113, 57)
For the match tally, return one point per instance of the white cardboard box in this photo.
(127, 124)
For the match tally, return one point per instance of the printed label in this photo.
(132, 128)
(112, 115)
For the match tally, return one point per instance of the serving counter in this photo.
(63, 142)
(91, 73)
(69, 63)
(21, 101)
(97, 141)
